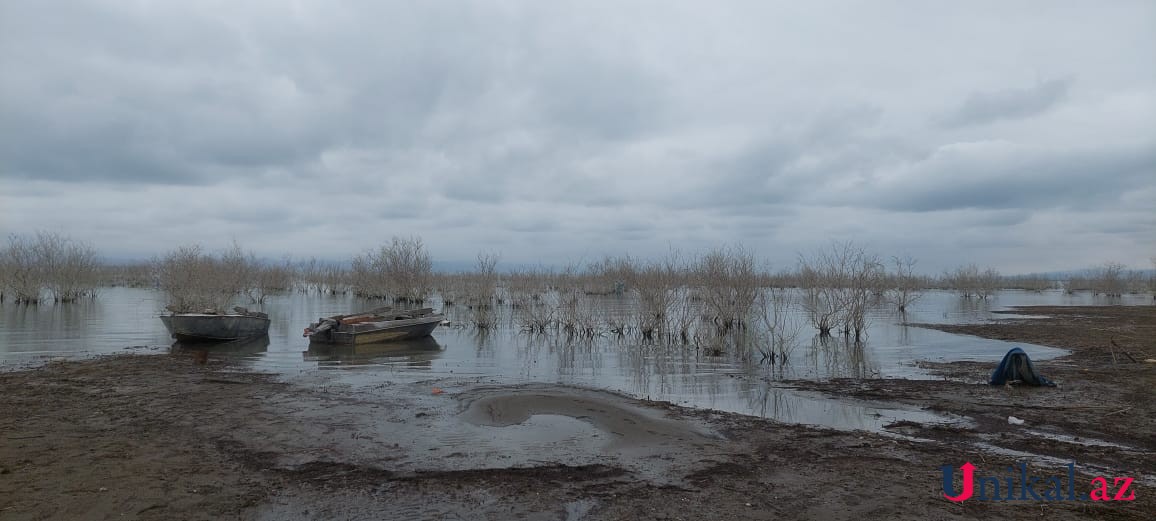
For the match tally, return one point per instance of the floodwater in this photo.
(125, 320)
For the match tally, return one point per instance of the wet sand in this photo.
(167, 437)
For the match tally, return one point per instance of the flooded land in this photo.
(501, 428)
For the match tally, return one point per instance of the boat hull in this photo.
(198, 327)
(373, 333)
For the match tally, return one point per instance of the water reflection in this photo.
(241, 347)
(418, 352)
(838, 357)
(792, 406)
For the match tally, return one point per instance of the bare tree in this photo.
(656, 285)
(988, 283)
(483, 294)
(820, 280)
(970, 282)
(865, 275)
(268, 278)
(1108, 280)
(402, 271)
(905, 286)
(838, 285)
(198, 282)
(32, 263)
(965, 280)
(780, 322)
(23, 275)
(728, 282)
(70, 267)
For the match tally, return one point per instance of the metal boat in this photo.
(216, 327)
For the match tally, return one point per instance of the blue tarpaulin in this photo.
(1016, 367)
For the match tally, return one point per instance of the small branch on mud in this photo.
(1045, 407)
(1120, 411)
(25, 437)
(150, 507)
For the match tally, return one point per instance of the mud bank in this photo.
(1102, 414)
(163, 437)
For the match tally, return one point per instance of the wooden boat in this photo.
(378, 325)
(216, 327)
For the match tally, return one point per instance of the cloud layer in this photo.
(1019, 136)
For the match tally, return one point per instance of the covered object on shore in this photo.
(1017, 368)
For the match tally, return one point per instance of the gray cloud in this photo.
(564, 130)
(1005, 176)
(986, 107)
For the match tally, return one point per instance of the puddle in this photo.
(807, 408)
(610, 423)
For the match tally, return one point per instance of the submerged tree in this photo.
(401, 271)
(728, 283)
(838, 285)
(905, 287)
(32, 263)
(483, 293)
(23, 276)
(199, 282)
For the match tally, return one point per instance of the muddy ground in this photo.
(182, 437)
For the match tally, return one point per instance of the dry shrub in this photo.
(657, 285)
(970, 282)
(199, 282)
(401, 271)
(268, 279)
(482, 290)
(67, 267)
(838, 285)
(780, 323)
(23, 275)
(728, 283)
(905, 286)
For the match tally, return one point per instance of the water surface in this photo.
(125, 320)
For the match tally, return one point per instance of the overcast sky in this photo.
(1020, 135)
